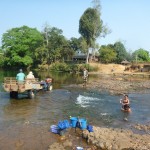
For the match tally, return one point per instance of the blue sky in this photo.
(128, 20)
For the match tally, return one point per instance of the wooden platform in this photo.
(11, 84)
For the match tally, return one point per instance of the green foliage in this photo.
(121, 52)
(107, 54)
(74, 43)
(19, 45)
(90, 25)
(55, 45)
(141, 55)
(1, 57)
(83, 45)
(57, 66)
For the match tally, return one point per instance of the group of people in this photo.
(21, 76)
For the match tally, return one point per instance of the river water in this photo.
(99, 108)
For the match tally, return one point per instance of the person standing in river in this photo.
(125, 103)
(85, 76)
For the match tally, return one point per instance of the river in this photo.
(48, 107)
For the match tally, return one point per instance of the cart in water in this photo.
(29, 86)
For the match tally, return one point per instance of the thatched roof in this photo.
(125, 62)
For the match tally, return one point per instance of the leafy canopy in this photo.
(90, 25)
(107, 54)
(121, 52)
(141, 55)
(19, 45)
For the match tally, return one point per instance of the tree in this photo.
(55, 42)
(107, 54)
(83, 45)
(1, 57)
(91, 27)
(121, 52)
(141, 55)
(74, 43)
(19, 45)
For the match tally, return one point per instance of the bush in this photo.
(57, 66)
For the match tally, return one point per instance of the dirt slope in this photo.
(107, 68)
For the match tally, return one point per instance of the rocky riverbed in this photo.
(119, 84)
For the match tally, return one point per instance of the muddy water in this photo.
(25, 123)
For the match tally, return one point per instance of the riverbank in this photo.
(119, 84)
(118, 81)
(103, 138)
(117, 139)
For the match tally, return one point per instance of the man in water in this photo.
(85, 76)
(20, 76)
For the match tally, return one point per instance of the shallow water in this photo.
(25, 123)
(99, 109)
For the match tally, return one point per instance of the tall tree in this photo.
(88, 28)
(19, 45)
(121, 52)
(91, 27)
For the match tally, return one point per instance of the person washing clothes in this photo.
(125, 103)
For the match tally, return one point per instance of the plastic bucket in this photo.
(83, 123)
(63, 124)
(73, 121)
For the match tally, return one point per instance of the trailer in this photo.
(29, 86)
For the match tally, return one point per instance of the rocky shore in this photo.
(117, 139)
(119, 84)
(106, 139)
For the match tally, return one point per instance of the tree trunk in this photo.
(87, 57)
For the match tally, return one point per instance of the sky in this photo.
(128, 20)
